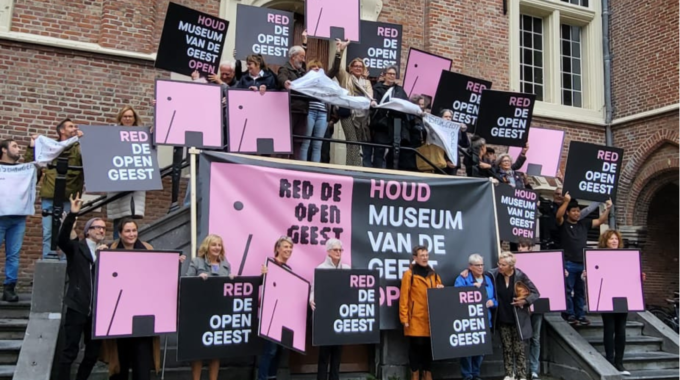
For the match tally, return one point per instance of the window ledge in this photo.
(566, 113)
(72, 45)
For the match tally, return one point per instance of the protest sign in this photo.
(459, 322)
(461, 94)
(191, 41)
(517, 213)
(132, 301)
(188, 114)
(347, 307)
(378, 217)
(47, 150)
(126, 162)
(423, 72)
(251, 129)
(380, 47)
(614, 280)
(544, 156)
(217, 318)
(17, 189)
(505, 117)
(593, 171)
(332, 19)
(283, 312)
(263, 31)
(319, 86)
(546, 271)
(444, 134)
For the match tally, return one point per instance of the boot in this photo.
(427, 375)
(415, 375)
(8, 293)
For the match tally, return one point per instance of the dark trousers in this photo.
(135, 354)
(75, 325)
(269, 361)
(327, 354)
(614, 336)
(299, 126)
(420, 353)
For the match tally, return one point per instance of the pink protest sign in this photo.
(188, 114)
(546, 271)
(259, 123)
(283, 312)
(423, 71)
(614, 280)
(135, 293)
(331, 19)
(543, 156)
(309, 207)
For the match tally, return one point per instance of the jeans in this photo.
(535, 342)
(332, 355)
(373, 157)
(47, 204)
(575, 284)
(76, 325)
(12, 229)
(269, 361)
(316, 127)
(470, 366)
(614, 336)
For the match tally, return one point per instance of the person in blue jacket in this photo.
(470, 366)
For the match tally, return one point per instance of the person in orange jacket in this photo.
(413, 312)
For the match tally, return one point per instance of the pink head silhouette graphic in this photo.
(259, 123)
(423, 71)
(546, 271)
(330, 19)
(614, 281)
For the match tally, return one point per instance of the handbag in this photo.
(435, 154)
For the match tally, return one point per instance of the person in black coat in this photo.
(258, 77)
(80, 268)
(382, 120)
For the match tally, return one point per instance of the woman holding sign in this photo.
(132, 205)
(413, 312)
(514, 293)
(211, 260)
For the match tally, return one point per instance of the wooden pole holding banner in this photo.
(193, 152)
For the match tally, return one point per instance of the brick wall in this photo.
(644, 42)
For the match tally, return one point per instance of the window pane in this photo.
(566, 98)
(526, 23)
(538, 59)
(538, 90)
(528, 57)
(577, 100)
(527, 39)
(576, 80)
(566, 48)
(566, 64)
(565, 31)
(566, 81)
(538, 41)
(538, 75)
(576, 66)
(538, 25)
(528, 74)
(583, 3)
(576, 33)
(528, 88)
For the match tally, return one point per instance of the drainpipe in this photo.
(609, 138)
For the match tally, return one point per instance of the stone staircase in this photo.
(644, 357)
(13, 323)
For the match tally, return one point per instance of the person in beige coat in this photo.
(354, 122)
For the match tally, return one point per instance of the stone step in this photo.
(648, 361)
(21, 309)
(659, 374)
(595, 329)
(638, 343)
(7, 372)
(13, 329)
(9, 351)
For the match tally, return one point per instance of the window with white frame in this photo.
(556, 54)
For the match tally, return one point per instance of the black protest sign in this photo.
(380, 47)
(593, 171)
(516, 213)
(461, 94)
(217, 318)
(459, 322)
(347, 307)
(117, 158)
(263, 31)
(191, 40)
(505, 117)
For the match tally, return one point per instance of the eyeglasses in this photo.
(337, 250)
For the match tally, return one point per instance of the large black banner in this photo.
(459, 322)
(217, 318)
(380, 47)
(461, 94)
(378, 217)
(593, 171)
(191, 40)
(347, 307)
(505, 117)
(517, 211)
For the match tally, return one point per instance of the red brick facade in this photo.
(41, 85)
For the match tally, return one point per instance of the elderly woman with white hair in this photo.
(330, 354)
(505, 170)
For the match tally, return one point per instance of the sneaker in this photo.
(619, 367)
(534, 376)
(572, 320)
(583, 321)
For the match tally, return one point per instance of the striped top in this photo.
(317, 106)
